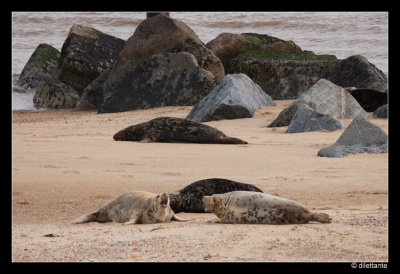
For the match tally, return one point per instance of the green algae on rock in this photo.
(85, 54)
(42, 63)
(288, 55)
(227, 46)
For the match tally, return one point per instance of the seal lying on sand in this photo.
(132, 208)
(259, 208)
(190, 198)
(169, 129)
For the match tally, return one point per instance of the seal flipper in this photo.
(176, 218)
(231, 140)
(90, 217)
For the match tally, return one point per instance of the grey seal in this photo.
(190, 198)
(170, 129)
(132, 208)
(247, 207)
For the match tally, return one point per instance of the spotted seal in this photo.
(133, 207)
(190, 198)
(170, 129)
(259, 208)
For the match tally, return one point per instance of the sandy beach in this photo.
(65, 163)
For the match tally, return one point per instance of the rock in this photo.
(360, 136)
(52, 93)
(369, 99)
(283, 75)
(92, 97)
(306, 119)
(289, 87)
(40, 65)
(356, 71)
(85, 54)
(161, 34)
(151, 14)
(227, 46)
(169, 79)
(382, 111)
(325, 98)
(236, 96)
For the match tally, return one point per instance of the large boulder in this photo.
(282, 75)
(227, 46)
(360, 136)
(92, 97)
(356, 71)
(306, 119)
(162, 34)
(325, 98)
(152, 14)
(236, 96)
(369, 99)
(168, 79)
(40, 65)
(290, 87)
(85, 54)
(52, 93)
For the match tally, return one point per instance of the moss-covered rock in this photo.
(227, 46)
(85, 54)
(51, 93)
(288, 55)
(41, 64)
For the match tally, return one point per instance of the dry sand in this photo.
(65, 164)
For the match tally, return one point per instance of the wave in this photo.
(243, 24)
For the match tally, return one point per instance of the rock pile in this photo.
(325, 98)
(164, 63)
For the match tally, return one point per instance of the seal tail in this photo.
(231, 140)
(84, 219)
(320, 217)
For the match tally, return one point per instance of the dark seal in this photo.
(169, 129)
(190, 198)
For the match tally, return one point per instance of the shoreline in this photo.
(65, 163)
